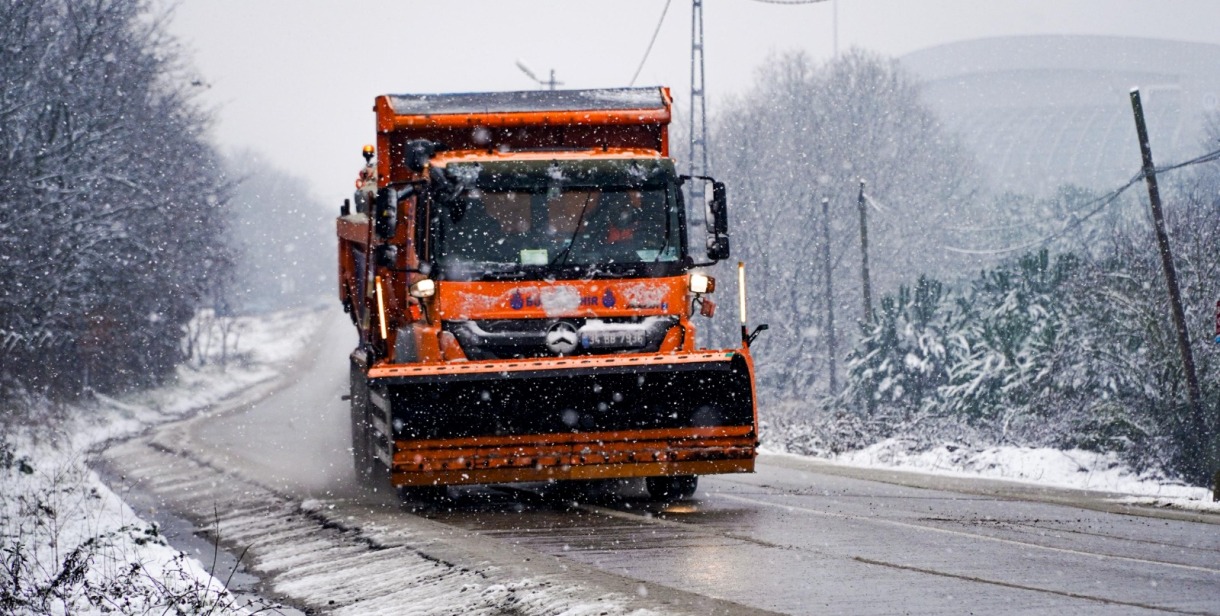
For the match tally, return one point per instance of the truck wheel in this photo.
(362, 458)
(671, 488)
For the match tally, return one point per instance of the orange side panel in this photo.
(353, 228)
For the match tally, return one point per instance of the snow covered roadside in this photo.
(1074, 469)
(70, 545)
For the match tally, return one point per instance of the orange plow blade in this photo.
(579, 418)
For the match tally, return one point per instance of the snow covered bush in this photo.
(1005, 340)
(1004, 355)
(1038, 352)
(68, 548)
(900, 361)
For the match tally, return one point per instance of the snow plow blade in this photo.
(565, 418)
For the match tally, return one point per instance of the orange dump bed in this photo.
(625, 118)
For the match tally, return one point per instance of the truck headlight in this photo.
(423, 288)
(702, 283)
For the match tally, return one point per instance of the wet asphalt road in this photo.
(795, 541)
(795, 538)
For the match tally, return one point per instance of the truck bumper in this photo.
(648, 453)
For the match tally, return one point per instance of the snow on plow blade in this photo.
(585, 417)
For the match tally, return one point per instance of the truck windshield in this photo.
(584, 217)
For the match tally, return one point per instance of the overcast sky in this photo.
(295, 79)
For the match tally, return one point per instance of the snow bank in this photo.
(1076, 469)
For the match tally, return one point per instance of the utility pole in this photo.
(831, 348)
(1199, 425)
(698, 112)
(835, 6)
(868, 292)
(549, 83)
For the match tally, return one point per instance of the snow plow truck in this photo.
(518, 267)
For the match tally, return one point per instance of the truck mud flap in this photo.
(545, 399)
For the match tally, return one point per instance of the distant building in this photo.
(1041, 111)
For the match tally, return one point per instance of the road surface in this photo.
(272, 474)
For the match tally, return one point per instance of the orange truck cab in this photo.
(517, 265)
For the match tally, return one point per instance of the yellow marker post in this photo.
(381, 308)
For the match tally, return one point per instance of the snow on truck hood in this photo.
(478, 156)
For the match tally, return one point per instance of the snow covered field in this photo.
(73, 546)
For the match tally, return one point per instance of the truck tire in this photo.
(671, 488)
(362, 458)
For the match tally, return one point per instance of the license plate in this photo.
(628, 338)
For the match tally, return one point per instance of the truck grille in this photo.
(523, 338)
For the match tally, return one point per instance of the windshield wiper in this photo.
(575, 233)
(503, 275)
(627, 272)
(668, 231)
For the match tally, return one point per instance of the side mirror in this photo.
(418, 153)
(718, 208)
(718, 223)
(385, 213)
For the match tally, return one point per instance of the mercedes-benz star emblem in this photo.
(561, 338)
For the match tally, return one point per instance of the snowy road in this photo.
(798, 537)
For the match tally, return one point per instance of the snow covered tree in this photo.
(111, 201)
(900, 361)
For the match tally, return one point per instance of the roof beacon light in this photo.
(368, 154)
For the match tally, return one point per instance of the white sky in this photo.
(295, 79)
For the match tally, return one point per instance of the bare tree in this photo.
(807, 132)
(111, 201)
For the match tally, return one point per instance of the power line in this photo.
(1102, 203)
(1206, 158)
(650, 43)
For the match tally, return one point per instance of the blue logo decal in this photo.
(517, 302)
(608, 299)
